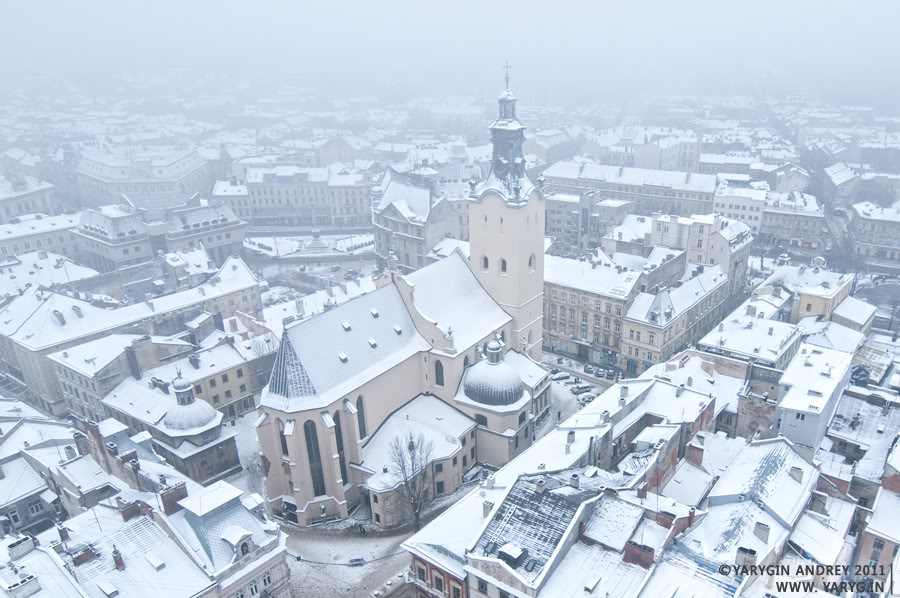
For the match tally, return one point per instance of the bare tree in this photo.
(410, 455)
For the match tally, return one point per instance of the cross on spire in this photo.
(506, 68)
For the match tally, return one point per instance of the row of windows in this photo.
(253, 588)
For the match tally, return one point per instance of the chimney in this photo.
(489, 482)
(690, 381)
(796, 474)
(82, 443)
(623, 391)
(539, 487)
(679, 390)
(70, 452)
(771, 330)
(621, 402)
(486, 507)
(170, 497)
(63, 532)
(117, 559)
(745, 556)
(573, 480)
(761, 531)
(133, 364)
(568, 448)
(694, 454)
(691, 516)
(570, 437)
(642, 490)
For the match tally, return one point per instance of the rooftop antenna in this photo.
(506, 68)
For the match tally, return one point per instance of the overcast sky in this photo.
(560, 51)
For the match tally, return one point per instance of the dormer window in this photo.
(245, 549)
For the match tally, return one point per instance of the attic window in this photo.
(374, 313)
(345, 326)
(398, 330)
(343, 357)
(372, 343)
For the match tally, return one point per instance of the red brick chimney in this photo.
(117, 559)
(170, 497)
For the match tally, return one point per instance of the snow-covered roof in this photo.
(600, 277)
(750, 338)
(39, 268)
(91, 357)
(141, 542)
(37, 224)
(413, 201)
(855, 310)
(441, 424)
(618, 175)
(808, 280)
(831, 335)
(871, 211)
(448, 293)
(812, 377)
(30, 319)
(326, 357)
(760, 486)
(884, 522)
(668, 304)
(19, 481)
(690, 483)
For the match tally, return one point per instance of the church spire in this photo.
(507, 138)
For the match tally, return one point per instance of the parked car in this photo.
(559, 360)
(554, 370)
(559, 376)
(610, 375)
(588, 369)
(580, 389)
(335, 268)
(586, 398)
(599, 372)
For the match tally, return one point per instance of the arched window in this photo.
(361, 417)
(503, 266)
(315, 459)
(531, 263)
(284, 445)
(339, 436)
(485, 263)
(438, 372)
(245, 549)
(481, 420)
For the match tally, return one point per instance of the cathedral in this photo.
(449, 352)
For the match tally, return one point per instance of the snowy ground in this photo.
(278, 294)
(251, 478)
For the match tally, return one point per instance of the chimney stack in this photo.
(570, 437)
(117, 559)
(796, 474)
(539, 487)
(574, 480)
(486, 507)
(761, 531)
(63, 532)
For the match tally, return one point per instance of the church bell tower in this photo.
(506, 230)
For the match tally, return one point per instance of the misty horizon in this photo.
(572, 54)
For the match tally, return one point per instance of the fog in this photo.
(561, 52)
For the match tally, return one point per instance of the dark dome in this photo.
(492, 381)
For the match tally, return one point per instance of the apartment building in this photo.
(795, 219)
(578, 221)
(711, 240)
(36, 232)
(638, 146)
(875, 232)
(812, 290)
(89, 371)
(410, 219)
(333, 196)
(21, 195)
(155, 177)
(743, 204)
(39, 322)
(585, 303)
(658, 326)
(665, 191)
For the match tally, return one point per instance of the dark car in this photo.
(335, 268)
(610, 375)
(554, 370)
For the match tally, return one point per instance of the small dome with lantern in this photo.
(492, 381)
